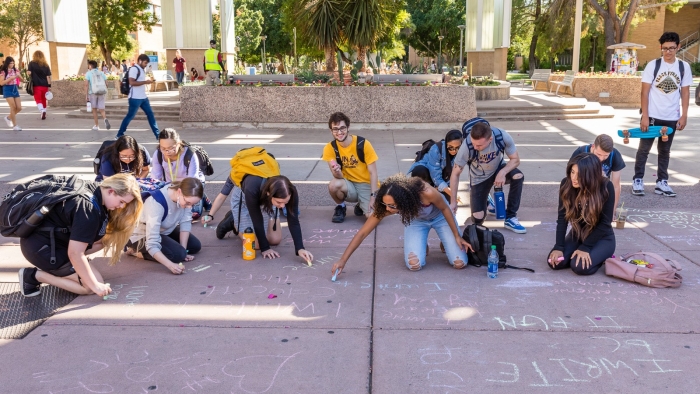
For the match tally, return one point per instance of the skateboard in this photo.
(653, 132)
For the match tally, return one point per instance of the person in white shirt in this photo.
(138, 98)
(665, 82)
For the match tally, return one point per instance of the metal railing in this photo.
(686, 44)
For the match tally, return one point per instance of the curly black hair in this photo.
(406, 194)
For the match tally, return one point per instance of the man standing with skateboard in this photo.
(665, 82)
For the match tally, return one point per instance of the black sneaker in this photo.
(225, 225)
(28, 286)
(339, 214)
(358, 210)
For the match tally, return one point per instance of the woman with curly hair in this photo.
(586, 201)
(421, 208)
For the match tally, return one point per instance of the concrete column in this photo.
(228, 32)
(577, 35)
(67, 31)
(479, 23)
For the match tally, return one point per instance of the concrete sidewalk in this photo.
(280, 326)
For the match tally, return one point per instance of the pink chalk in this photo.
(271, 296)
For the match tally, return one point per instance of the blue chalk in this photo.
(335, 276)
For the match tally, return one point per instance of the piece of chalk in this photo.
(308, 262)
(105, 297)
(335, 276)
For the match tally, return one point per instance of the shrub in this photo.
(695, 67)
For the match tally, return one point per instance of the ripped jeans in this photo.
(415, 241)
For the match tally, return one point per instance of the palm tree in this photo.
(320, 23)
(368, 21)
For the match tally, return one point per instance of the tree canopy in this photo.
(21, 24)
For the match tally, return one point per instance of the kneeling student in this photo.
(163, 231)
(101, 218)
(352, 162)
(610, 159)
(421, 208)
(586, 201)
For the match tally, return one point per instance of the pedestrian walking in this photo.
(138, 98)
(96, 93)
(9, 79)
(180, 65)
(40, 73)
(213, 65)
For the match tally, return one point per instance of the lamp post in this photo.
(264, 60)
(461, 46)
(440, 59)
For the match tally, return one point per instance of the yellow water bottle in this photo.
(248, 244)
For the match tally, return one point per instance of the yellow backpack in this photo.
(253, 161)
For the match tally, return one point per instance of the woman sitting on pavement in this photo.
(163, 235)
(421, 208)
(259, 201)
(586, 201)
(173, 161)
(125, 155)
(435, 167)
(101, 219)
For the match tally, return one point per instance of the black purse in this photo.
(30, 87)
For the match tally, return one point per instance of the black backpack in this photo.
(160, 199)
(467, 129)
(481, 239)
(202, 156)
(425, 148)
(360, 147)
(124, 85)
(27, 198)
(97, 161)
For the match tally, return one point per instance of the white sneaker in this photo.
(95, 128)
(8, 121)
(638, 187)
(663, 188)
(17, 128)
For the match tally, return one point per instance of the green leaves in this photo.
(20, 23)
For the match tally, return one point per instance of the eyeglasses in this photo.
(336, 130)
(389, 205)
(187, 204)
(127, 158)
(171, 149)
(669, 49)
(452, 148)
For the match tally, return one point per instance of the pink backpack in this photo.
(657, 272)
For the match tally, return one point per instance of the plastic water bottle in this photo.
(500, 203)
(493, 263)
(88, 107)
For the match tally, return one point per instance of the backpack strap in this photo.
(657, 66)
(360, 147)
(610, 158)
(334, 144)
(498, 136)
(681, 67)
(188, 157)
(160, 199)
(51, 231)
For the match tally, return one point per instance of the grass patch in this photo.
(516, 76)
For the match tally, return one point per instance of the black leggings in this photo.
(37, 250)
(170, 247)
(601, 251)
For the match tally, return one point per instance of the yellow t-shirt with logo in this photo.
(353, 169)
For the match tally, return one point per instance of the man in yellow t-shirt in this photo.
(354, 173)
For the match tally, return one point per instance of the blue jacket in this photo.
(435, 163)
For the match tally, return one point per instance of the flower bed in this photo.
(313, 104)
(70, 92)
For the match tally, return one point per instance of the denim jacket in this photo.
(435, 162)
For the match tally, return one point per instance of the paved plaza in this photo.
(280, 326)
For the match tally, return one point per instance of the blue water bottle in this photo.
(493, 263)
(500, 203)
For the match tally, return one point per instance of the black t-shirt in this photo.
(614, 162)
(84, 216)
(603, 227)
(252, 190)
(39, 74)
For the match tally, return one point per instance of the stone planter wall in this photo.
(72, 93)
(625, 92)
(484, 93)
(307, 104)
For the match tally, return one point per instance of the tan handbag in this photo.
(658, 272)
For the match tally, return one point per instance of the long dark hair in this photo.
(278, 187)
(6, 64)
(125, 142)
(406, 194)
(451, 135)
(584, 204)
